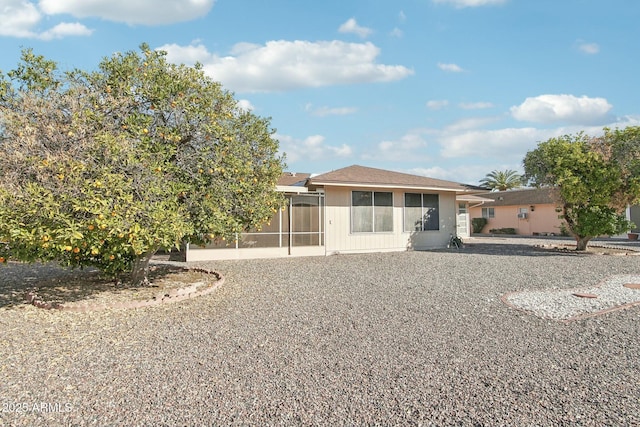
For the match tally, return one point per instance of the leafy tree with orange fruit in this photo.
(594, 179)
(105, 168)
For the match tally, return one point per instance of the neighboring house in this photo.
(530, 211)
(633, 215)
(351, 210)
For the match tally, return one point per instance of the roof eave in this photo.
(386, 186)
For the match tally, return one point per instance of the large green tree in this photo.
(594, 179)
(104, 168)
(502, 180)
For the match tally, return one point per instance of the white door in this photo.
(462, 224)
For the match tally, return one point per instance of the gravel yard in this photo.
(395, 339)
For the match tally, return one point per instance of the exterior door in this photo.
(462, 223)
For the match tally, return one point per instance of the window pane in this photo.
(383, 211)
(412, 212)
(431, 211)
(361, 211)
(383, 199)
(413, 200)
(361, 198)
(362, 219)
(383, 218)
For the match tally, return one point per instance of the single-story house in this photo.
(351, 210)
(530, 211)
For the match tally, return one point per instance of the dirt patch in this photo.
(50, 286)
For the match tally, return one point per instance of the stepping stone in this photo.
(585, 295)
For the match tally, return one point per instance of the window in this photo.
(371, 212)
(421, 212)
(488, 213)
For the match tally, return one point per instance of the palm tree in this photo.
(502, 180)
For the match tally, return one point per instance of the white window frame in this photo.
(373, 212)
(408, 228)
(488, 213)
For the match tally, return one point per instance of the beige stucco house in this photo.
(530, 211)
(353, 210)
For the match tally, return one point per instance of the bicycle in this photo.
(454, 241)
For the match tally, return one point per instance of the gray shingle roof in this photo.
(526, 196)
(293, 178)
(365, 176)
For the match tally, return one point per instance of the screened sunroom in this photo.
(297, 229)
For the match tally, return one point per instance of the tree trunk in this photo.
(140, 270)
(581, 243)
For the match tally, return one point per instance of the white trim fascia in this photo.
(291, 189)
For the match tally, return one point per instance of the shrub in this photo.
(478, 224)
(503, 231)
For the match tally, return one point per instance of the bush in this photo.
(503, 231)
(478, 224)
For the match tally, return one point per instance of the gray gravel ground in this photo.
(412, 338)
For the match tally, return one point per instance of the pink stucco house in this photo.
(530, 211)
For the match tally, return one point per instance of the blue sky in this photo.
(451, 89)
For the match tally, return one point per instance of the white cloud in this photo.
(245, 105)
(511, 143)
(311, 148)
(501, 143)
(65, 29)
(20, 18)
(330, 111)
(146, 12)
(475, 105)
(463, 173)
(410, 147)
(470, 123)
(187, 54)
(286, 65)
(437, 104)
(452, 68)
(470, 3)
(402, 16)
(397, 33)
(563, 108)
(588, 48)
(351, 26)
(504, 148)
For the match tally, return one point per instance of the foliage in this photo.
(595, 178)
(478, 224)
(502, 180)
(503, 231)
(105, 168)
